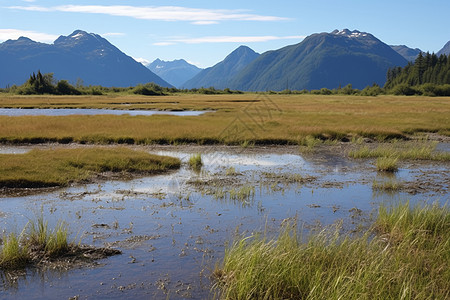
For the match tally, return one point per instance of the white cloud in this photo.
(164, 43)
(205, 22)
(229, 39)
(13, 34)
(113, 34)
(198, 16)
(30, 8)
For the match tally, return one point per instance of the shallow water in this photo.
(173, 231)
(13, 112)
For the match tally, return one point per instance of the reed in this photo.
(13, 255)
(34, 243)
(408, 258)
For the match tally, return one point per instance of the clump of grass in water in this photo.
(36, 239)
(389, 186)
(410, 151)
(387, 164)
(243, 194)
(38, 242)
(408, 258)
(231, 171)
(308, 144)
(247, 144)
(52, 242)
(195, 162)
(13, 255)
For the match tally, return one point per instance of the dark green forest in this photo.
(429, 75)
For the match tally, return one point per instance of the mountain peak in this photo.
(221, 73)
(242, 52)
(350, 34)
(445, 50)
(77, 34)
(176, 72)
(80, 37)
(21, 41)
(79, 55)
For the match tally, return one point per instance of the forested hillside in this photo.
(429, 74)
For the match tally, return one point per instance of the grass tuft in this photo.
(243, 194)
(13, 255)
(408, 258)
(231, 171)
(52, 242)
(308, 144)
(387, 164)
(388, 186)
(195, 162)
(37, 245)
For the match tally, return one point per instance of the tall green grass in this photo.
(35, 242)
(408, 258)
(53, 242)
(13, 255)
(410, 151)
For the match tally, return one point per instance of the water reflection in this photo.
(14, 112)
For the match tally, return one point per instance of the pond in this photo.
(14, 112)
(173, 228)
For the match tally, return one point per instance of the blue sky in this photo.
(204, 32)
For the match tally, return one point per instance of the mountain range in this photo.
(221, 74)
(445, 50)
(409, 54)
(175, 72)
(321, 60)
(81, 55)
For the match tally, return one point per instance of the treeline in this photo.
(429, 75)
(40, 84)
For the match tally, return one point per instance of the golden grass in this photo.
(60, 167)
(239, 119)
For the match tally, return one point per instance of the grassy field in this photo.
(238, 119)
(408, 258)
(60, 167)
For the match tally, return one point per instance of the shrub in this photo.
(404, 89)
(149, 89)
(64, 88)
